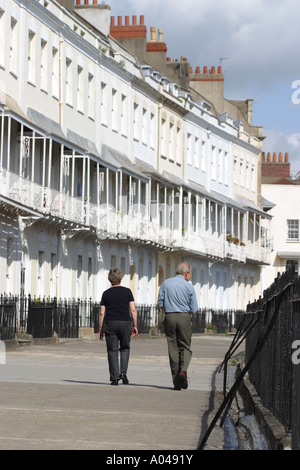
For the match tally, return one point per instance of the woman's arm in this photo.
(134, 318)
(101, 318)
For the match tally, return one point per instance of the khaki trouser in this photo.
(178, 330)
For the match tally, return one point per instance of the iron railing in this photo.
(43, 317)
(8, 317)
(271, 330)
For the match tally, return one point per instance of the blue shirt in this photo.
(177, 295)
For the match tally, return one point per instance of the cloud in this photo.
(261, 37)
(294, 141)
(259, 40)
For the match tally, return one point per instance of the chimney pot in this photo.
(119, 20)
(160, 35)
(213, 70)
(220, 70)
(280, 157)
(269, 157)
(153, 31)
(134, 20)
(286, 157)
(263, 156)
(274, 157)
(197, 69)
(112, 21)
(126, 20)
(205, 69)
(142, 19)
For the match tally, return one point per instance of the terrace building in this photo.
(112, 154)
(280, 191)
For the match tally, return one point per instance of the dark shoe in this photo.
(124, 378)
(177, 387)
(115, 382)
(182, 380)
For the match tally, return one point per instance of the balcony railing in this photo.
(109, 222)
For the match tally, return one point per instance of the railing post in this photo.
(295, 405)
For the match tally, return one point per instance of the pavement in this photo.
(59, 397)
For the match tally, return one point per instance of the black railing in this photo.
(271, 332)
(8, 317)
(43, 317)
(276, 323)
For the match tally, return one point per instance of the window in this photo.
(31, 57)
(203, 155)
(189, 149)
(103, 103)
(171, 141)
(79, 275)
(123, 265)
(152, 131)
(253, 181)
(235, 170)
(123, 115)
(144, 125)
(241, 175)
(55, 73)
(2, 37)
(196, 153)
(80, 88)
(91, 96)
(41, 271)
(220, 166)
(163, 138)
(53, 275)
(9, 255)
(43, 65)
(13, 46)
(213, 163)
(178, 145)
(293, 230)
(114, 110)
(226, 167)
(292, 264)
(69, 82)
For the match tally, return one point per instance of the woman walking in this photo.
(118, 321)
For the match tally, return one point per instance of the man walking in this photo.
(177, 297)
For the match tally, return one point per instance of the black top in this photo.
(116, 300)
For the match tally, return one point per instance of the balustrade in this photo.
(116, 224)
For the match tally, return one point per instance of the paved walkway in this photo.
(59, 397)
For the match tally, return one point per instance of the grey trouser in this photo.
(117, 335)
(178, 330)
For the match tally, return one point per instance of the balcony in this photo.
(235, 252)
(259, 254)
(112, 224)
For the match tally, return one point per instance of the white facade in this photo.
(285, 229)
(103, 164)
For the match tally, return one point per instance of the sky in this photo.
(257, 42)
